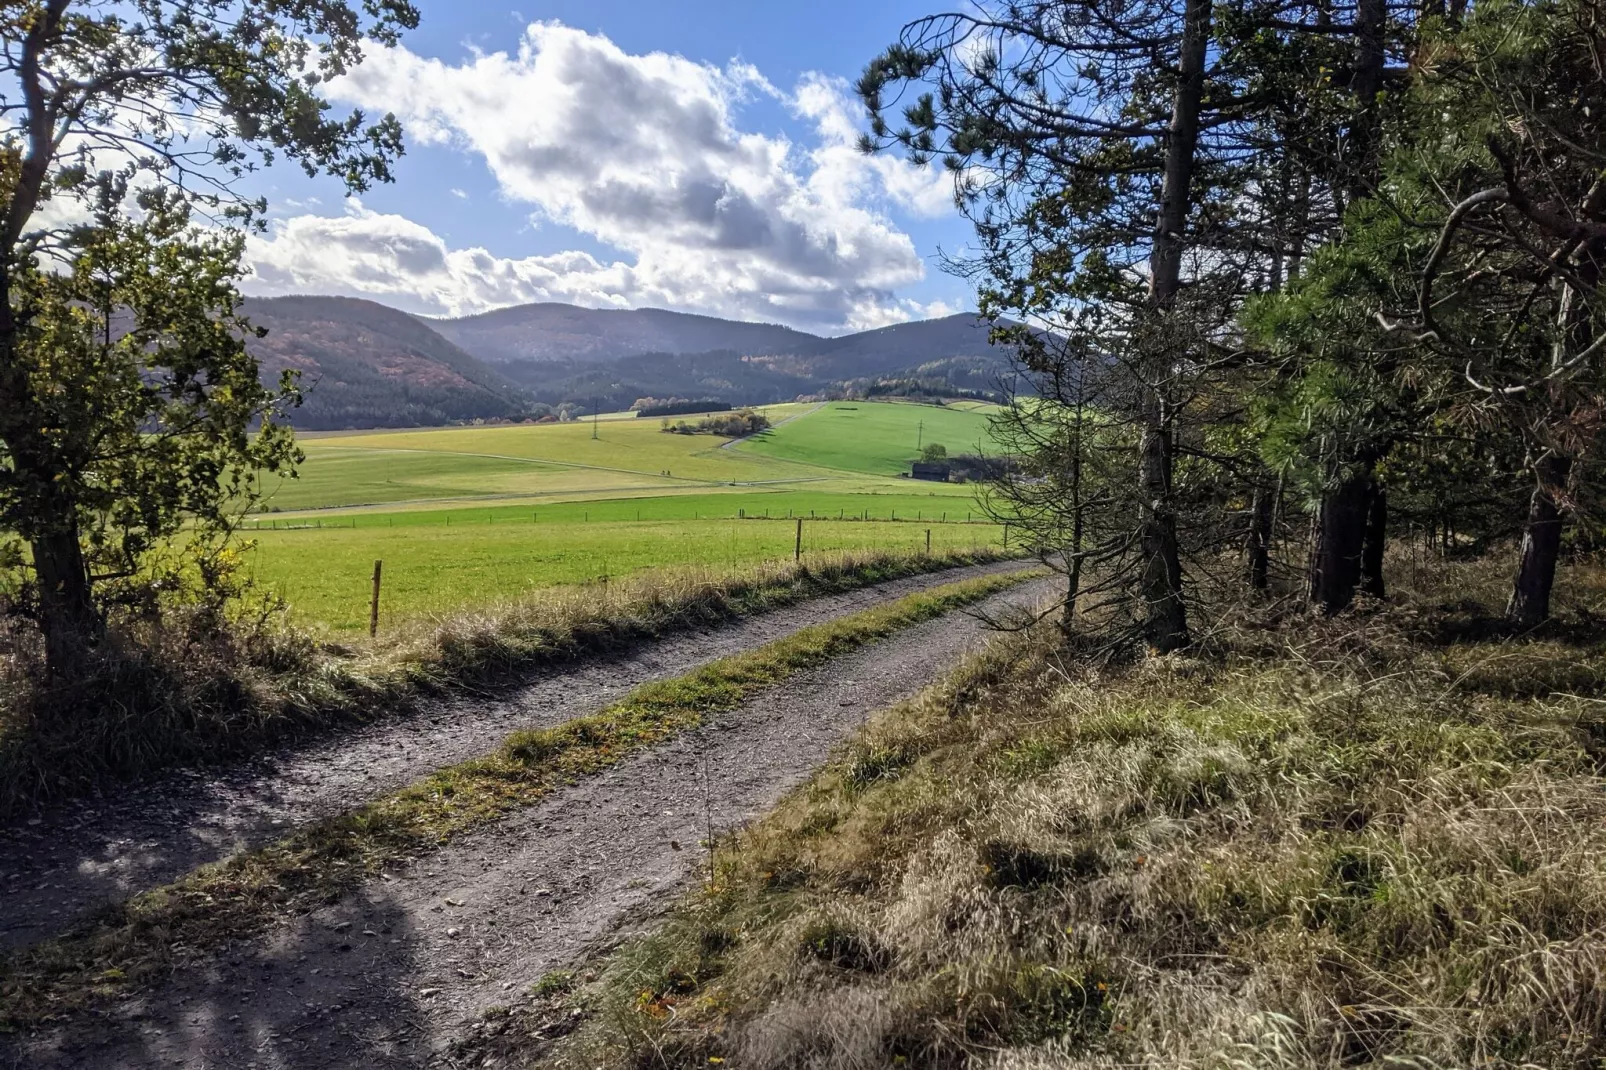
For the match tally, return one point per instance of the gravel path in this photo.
(733, 443)
(391, 976)
(82, 855)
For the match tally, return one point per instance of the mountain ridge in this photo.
(551, 330)
(366, 364)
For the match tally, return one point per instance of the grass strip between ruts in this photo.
(140, 940)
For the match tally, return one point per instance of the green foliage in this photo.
(1419, 334)
(155, 419)
(726, 425)
(126, 396)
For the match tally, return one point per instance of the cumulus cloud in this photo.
(390, 257)
(645, 154)
(843, 175)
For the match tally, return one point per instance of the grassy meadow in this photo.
(874, 438)
(467, 516)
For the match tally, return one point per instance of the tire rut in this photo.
(392, 975)
(82, 855)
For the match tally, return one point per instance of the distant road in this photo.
(773, 426)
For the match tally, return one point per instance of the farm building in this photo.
(936, 471)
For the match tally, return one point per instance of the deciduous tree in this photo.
(125, 395)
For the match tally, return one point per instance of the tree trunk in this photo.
(1259, 552)
(1073, 592)
(1541, 546)
(1336, 557)
(1344, 523)
(1373, 540)
(1165, 617)
(67, 614)
(1370, 19)
(1541, 537)
(1073, 561)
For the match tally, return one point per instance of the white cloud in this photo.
(403, 263)
(369, 254)
(643, 153)
(845, 176)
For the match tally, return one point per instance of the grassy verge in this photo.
(195, 687)
(1336, 844)
(434, 568)
(143, 938)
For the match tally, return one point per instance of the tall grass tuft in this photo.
(1363, 842)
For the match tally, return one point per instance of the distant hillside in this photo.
(566, 332)
(900, 349)
(617, 384)
(363, 364)
(554, 332)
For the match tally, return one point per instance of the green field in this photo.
(437, 569)
(471, 515)
(876, 438)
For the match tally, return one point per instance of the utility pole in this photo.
(920, 436)
(594, 414)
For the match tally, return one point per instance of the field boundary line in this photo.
(562, 464)
(545, 497)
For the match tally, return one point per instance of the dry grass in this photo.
(1366, 841)
(140, 940)
(191, 686)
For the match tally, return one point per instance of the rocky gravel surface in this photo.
(79, 856)
(392, 975)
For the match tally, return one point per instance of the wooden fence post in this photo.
(928, 542)
(797, 549)
(373, 606)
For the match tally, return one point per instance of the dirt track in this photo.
(83, 855)
(392, 975)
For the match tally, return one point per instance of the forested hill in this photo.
(949, 355)
(554, 332)
(550, 331)
(900, 347)
(364, 364)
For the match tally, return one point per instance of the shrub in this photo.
(730, 425)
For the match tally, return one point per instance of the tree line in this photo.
(1276, 272)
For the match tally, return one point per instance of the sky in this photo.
(695, 155)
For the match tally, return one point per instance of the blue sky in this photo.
(689, 154)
